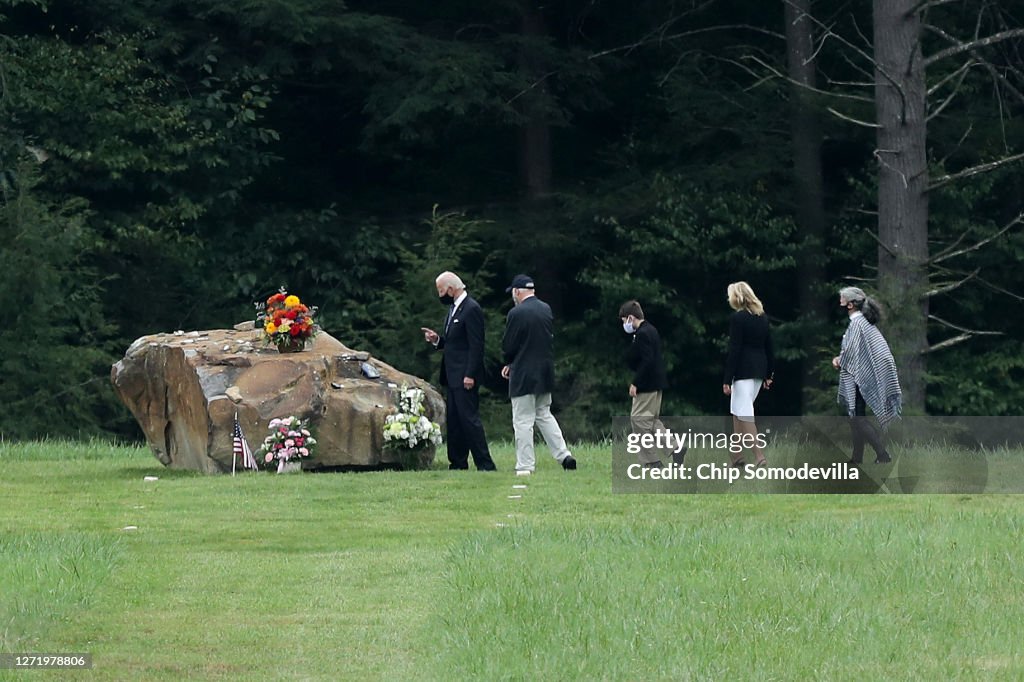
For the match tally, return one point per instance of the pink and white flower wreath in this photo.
(289, 441)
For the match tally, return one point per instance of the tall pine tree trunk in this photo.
(535, 161)
(809, 189)
(535, 133)
(900, 109)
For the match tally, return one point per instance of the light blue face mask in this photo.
(628, 327)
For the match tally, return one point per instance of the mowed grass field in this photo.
(443, 575)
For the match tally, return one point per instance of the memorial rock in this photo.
(185, 389)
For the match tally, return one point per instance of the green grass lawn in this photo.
(439, 575)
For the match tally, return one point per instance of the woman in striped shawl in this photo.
(867, 374)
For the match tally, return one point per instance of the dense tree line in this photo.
(164, 163)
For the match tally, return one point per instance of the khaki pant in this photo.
(528, 410)
(644, 419)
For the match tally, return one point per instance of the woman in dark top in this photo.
(750, 363)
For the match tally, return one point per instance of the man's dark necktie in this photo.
(448, 322)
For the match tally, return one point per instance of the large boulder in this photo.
(185, 389)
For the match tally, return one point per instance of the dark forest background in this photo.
(164, 163)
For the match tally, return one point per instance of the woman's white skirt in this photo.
(744, 392)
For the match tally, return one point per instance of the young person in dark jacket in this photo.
(750, 363)
(462, 368)
(530, 370)
(649, 379)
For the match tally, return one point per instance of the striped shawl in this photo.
(865, 362)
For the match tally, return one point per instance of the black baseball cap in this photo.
(520, 282)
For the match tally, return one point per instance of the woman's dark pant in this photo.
(863, 431)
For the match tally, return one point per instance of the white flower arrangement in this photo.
(410, 428)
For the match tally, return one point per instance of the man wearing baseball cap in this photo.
(530, 370)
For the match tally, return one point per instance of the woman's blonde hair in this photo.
(742, 297)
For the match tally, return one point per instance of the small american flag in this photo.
(241, 449)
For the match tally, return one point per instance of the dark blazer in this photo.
(528, 348)
(750, 348)
(463, 345)
(644, 358)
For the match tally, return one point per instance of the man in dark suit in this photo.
(649, 377)
(530, 370)
(462, 368)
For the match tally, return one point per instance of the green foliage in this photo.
(985, 378)
(128, 170)
(976, 243)
(190, 157)
(56, 340)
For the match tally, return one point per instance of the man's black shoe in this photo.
(677, 457)
(883, 458)
(569, 463)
